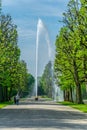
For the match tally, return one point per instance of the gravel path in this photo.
(41, 115)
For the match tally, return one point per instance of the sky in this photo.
(25, 14)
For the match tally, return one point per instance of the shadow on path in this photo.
(36, 117)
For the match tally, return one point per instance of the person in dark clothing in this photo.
(14, 99)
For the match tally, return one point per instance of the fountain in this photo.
(40, 28)
(58, 93)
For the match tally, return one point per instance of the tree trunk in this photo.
(78, 86)
(66, 95)
(1, 94)
(85, 73)
(5, 93)
(71, 97)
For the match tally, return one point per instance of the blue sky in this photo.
(25, 14)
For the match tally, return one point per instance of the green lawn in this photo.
(5, 104)
(81, 107)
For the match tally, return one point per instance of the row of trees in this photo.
(71, 51)
(45, 82)
(14, 76)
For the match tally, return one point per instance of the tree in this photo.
(9, 54)
(14, 75)
(24, 80)
(69, 59)
(30, 82)
(46, 83)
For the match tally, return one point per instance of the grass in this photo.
(3, 104)
(47, 98)
(81, 107)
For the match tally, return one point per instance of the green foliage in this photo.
(9, 54)
(5, 104)
(14, 75)
(71, 50)
(81, 107)
(30, 83)
(45, 82)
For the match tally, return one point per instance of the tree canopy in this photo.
(14, 75)
(46, 81)
(71, 50)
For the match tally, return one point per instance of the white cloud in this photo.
(43, 9)
(49, 11)
(26, 33)
(38, 7)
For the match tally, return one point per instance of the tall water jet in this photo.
(41, 28)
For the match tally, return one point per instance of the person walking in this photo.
(17, 99)
(14, 99)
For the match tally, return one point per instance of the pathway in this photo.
(41, 115)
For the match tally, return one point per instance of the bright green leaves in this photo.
(46, 81)
(71, 48)
(13, 72)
